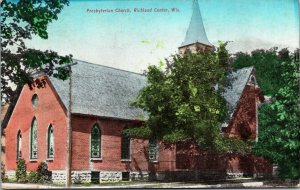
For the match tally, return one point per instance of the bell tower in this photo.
(195, 38)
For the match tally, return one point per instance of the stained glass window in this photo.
(125, 146)
(96, 142)
(50, 142)
(153, 149)
(19, 145)
(33, 139)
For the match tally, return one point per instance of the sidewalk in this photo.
(254, 184)
(27, 186)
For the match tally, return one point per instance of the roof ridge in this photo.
(99, 65)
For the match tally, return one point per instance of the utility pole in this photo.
(69, 132)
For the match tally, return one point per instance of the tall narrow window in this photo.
(125, 146)
(50, 142)
(34, 100)
(19, 145)
(96, 142)
(153, 149)
(33, 139)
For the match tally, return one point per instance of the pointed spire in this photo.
(196, 31)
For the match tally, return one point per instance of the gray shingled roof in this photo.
(232, 94)
(103, 91)
(196, 31)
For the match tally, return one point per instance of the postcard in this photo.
(150, 94)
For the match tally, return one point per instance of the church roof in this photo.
(196, 31)
(233, 92)
(104, 91)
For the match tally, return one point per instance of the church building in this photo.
(100, 111)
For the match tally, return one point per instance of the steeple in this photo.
(195, 39)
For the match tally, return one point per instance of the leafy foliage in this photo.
(42, 175)
(268, 67)
(3, 176)
(20, 21)
(33, 177)
(43, 172)
(184, 102)
(279, 125)
(21, 170)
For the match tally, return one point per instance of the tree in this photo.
(268, 67)
(183, 102)
(20, 21)
(279, 137)
(279, 132)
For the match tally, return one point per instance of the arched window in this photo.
(34, 100)
(50, 142)
(95, 142)
(33, 139)
(19, 145)
(153, 149)
(252, 80)
(125, 146)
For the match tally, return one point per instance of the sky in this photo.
(134, 40)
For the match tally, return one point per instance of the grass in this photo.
(11, 180)
(107, 183)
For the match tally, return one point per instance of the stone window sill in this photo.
(153, 161)
(125, 160)
(96, 159)
(49, 159)
(33, 160)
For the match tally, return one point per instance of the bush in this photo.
(41, 175)
(43, 172)
(33, 177)
(21, 170)
(3, 177)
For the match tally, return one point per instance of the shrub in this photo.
(33, 177)
(41, 175)
(21, 170)
(3, 177)
(44, 173)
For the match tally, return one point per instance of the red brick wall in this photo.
(189, 157)
(166, 158)
(110, 146)
(243, 123)
(48, 111)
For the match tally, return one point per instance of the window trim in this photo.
(48, 140)
(129, 147)
(157, 150)
(100, 141)
(31, 140)
(19, 145)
